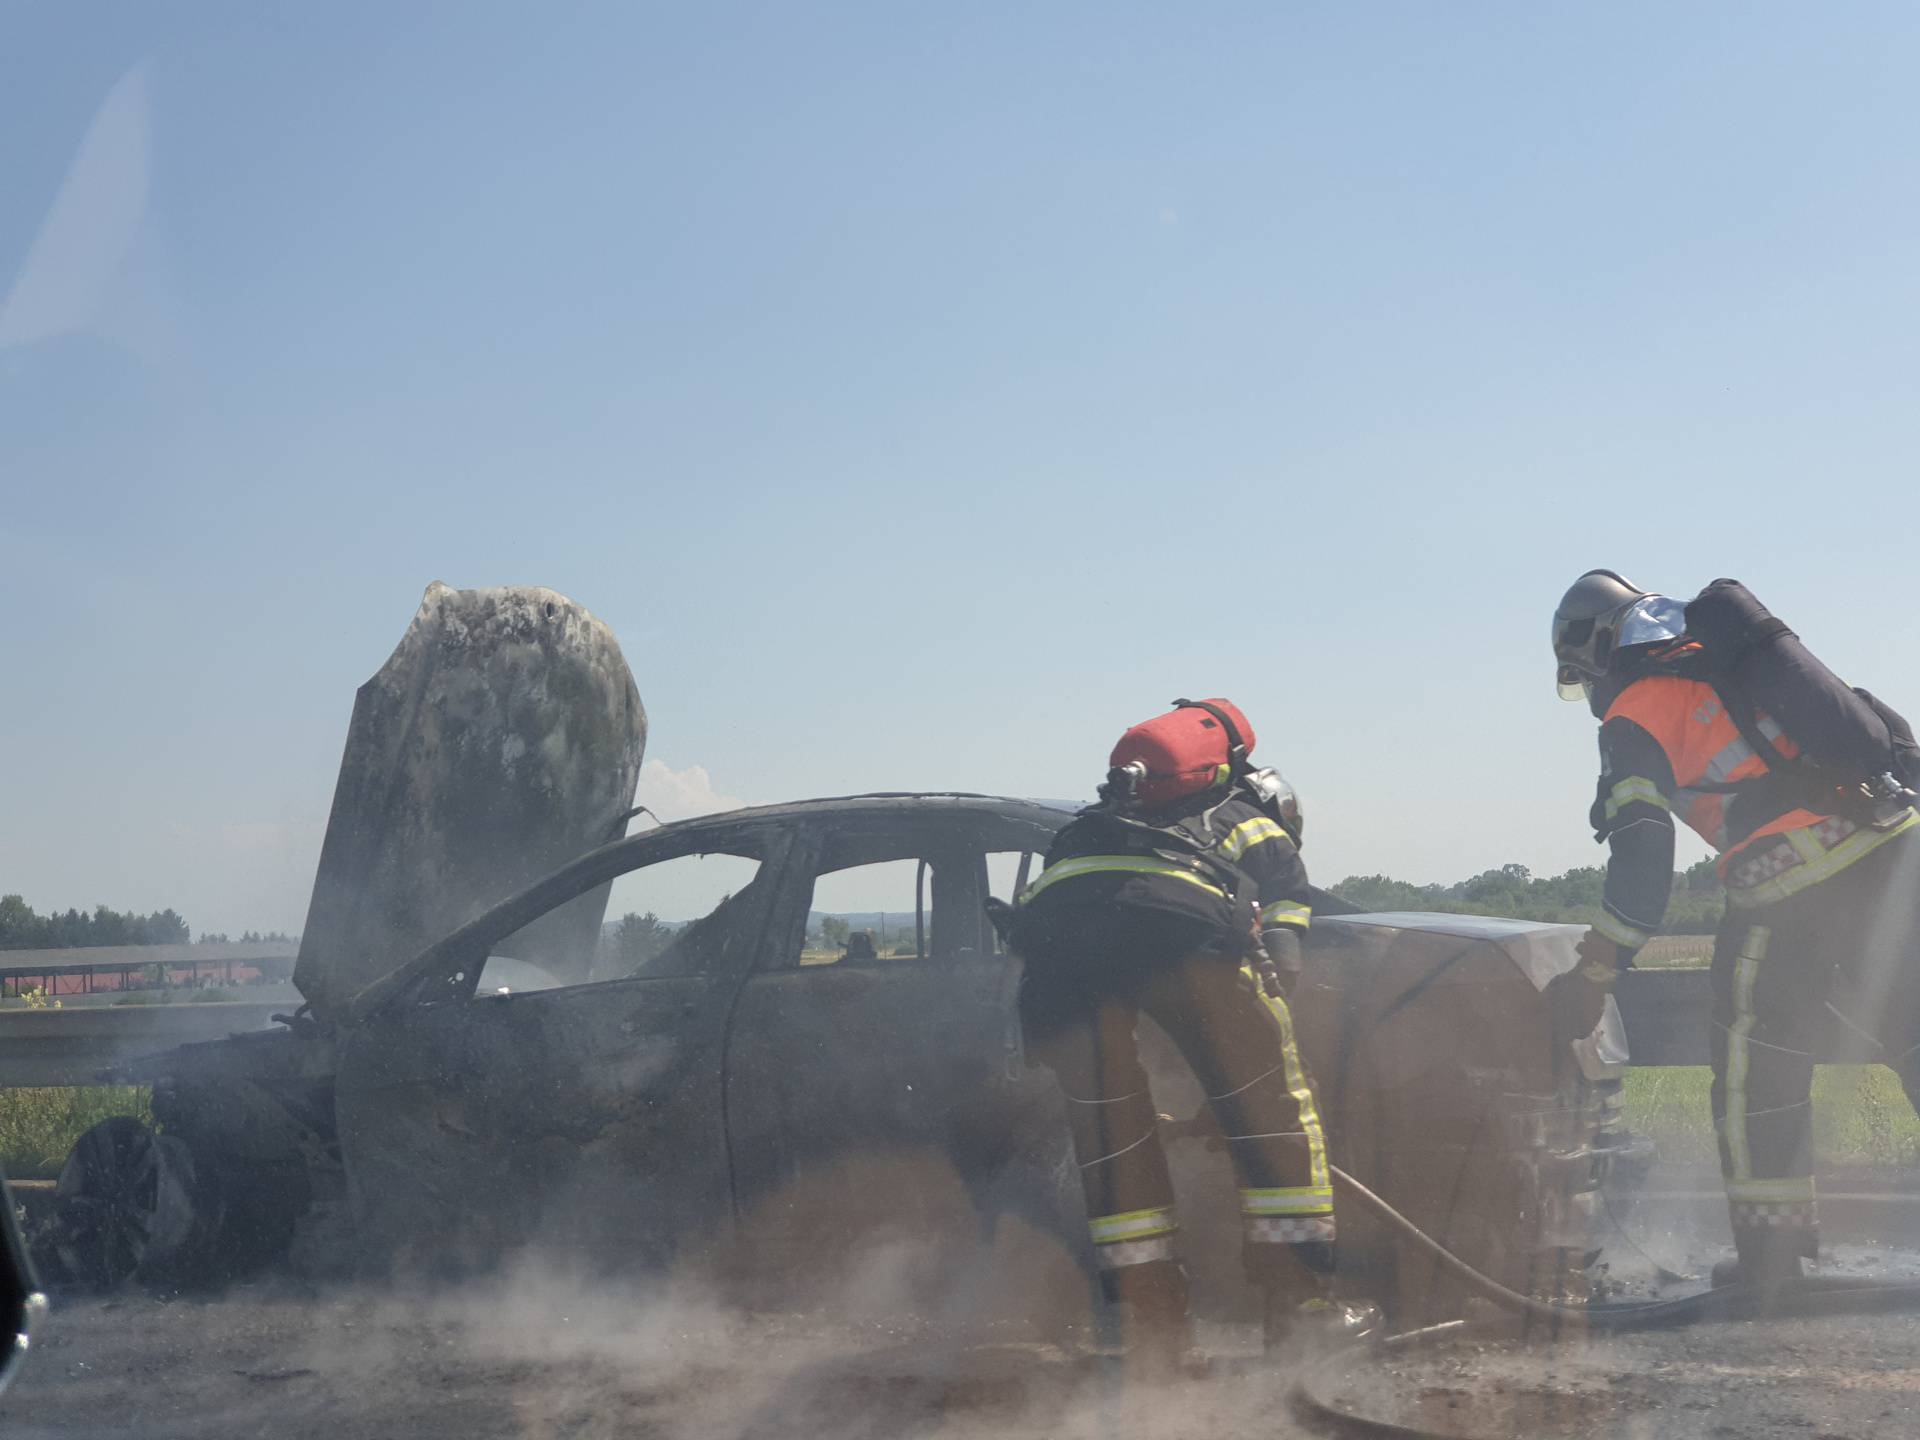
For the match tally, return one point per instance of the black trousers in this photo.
(1835, 961)
(1086, 985)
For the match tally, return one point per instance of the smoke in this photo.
(680, 794)
(545, 1350)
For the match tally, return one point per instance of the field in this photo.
(38, 1127)
(1860, 1116)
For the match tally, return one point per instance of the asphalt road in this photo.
(538, 1358)
(1826, 1379)
(494, 1363)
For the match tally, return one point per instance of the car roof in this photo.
(882, 804)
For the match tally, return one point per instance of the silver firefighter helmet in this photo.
(1601, 615)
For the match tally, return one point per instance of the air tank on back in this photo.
(1758, 657)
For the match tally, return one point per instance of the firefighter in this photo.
(1809, 890)
(1182, 894)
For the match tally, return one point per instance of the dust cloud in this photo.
(538, 1353)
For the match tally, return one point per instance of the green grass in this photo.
(1860, 1115)
(38, 1127)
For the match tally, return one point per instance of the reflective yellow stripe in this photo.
(1297, 1087)
(1817, 864)
(1287, 912)
(1132, 1225)
(1115, 864)
(1288, 1200)
(1634, 790)
(1796, 1191)
(1746, 972)
(1619, 932)
(1249, 833)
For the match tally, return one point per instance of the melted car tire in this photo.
(127, 1207)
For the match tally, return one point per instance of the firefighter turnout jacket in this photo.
(1161, 918)
(1667, 745)
(1222, 861)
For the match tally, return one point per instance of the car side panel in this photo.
(585, 1120)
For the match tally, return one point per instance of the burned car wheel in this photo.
(125, 1207)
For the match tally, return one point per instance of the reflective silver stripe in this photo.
(1134, 1252)
(1288, 1200)
(1115, 864)
(1735, 754)
(1249, 833)
(1132, 1225)
(1822, 865)
(1798, 1190)
(1786, 1216)
(1288, 1230)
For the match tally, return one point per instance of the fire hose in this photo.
(1803, 1297)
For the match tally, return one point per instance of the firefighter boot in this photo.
(1156, 1328)
(1765, 1263)
(1297, 1282)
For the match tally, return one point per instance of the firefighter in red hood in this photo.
(1182, 894)
(1713, 711)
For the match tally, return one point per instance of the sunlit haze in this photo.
(924, 396)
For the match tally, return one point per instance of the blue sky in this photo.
(925, 394)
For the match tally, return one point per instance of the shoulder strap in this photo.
(1746, 719)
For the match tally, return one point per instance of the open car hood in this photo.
(501, 739)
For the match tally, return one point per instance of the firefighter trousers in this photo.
(1828, 971)
(1080, 1004)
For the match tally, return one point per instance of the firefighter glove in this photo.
(1280, 970)
(1600, 958)
(1575, 1003)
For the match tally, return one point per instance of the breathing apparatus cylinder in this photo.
(1851, 742)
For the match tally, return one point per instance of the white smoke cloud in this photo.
(680, 794)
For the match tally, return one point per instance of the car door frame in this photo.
(995, 1101)
(416, 1006)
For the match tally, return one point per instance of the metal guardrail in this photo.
(1667, 1015)
(72, 1046)
(89, 969)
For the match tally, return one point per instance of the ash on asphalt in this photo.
(1835, 1378)
(354, 1366)
(1826, 1378)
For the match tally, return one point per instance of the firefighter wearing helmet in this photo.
(1182, 894)
(1714, 711)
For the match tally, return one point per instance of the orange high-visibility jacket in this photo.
(1688, 722)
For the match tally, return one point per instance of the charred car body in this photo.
(736, 1104)
(729, 1100)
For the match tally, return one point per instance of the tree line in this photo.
(24, 928)
(1515, 891)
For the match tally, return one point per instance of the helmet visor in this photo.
(1571, 684)
(1650, 622)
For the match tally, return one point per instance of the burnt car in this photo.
(728, 1090)
(732, 1096)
